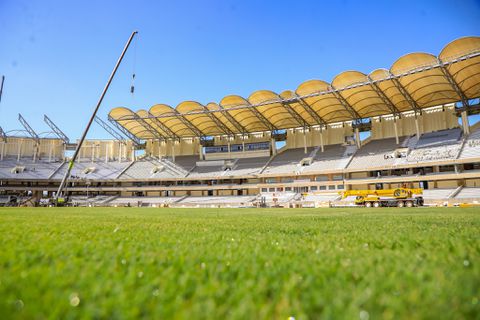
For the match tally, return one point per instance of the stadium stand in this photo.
(334, 157)
(380, 153)
(142, 201)
(27, 169)
(416, 115)
(469, 193)
(437, 194)
(471, 146)
(148, 168)
(89, 170)
(287, 161)
(247, 167)
(236, 201)
(439, 138)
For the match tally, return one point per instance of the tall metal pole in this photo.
(1, 88)
(77, 150)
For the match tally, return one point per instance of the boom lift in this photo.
(399, 197)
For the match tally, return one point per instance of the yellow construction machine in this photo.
(399, 197)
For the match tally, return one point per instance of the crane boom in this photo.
(77, 150)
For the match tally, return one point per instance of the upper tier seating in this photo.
(206, 171)
(92, 170)
(334, 157)
(287, 161)
(27, 169)
(379, 153)
(437, 153)
(247, 166)
(436, 146)
(439, 138)
(471, 147)
(186, 162)
(148, 168)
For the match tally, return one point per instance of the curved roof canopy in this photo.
(415, 81)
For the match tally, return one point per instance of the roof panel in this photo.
(466, 72)
(362, 97)
(414, 80)
(194, 112)
(169, 118)
(239, 108)
(319, 97)
(273, 109)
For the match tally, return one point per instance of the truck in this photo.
(399, 197)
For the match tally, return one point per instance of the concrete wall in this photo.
(433, 119)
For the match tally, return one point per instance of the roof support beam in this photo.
(149, 128)
(124, 130)
(405, 94)
(110, 130)
(310, 110)
(262, 118)
(29, 129)
(162, 126)
(234, 121)
(56, 129)
(189, 125)
(3, 135)
(301, 121)
(384, 97)
(345, 104)
(218, 122)
(453, 83)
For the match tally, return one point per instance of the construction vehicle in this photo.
(399, 197)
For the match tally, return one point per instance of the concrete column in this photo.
(357, 138)
(304, 141)
(173, 151)
(50, 152)
(274, 147)
(119, 152)
(465, 124)
(200, 151)
(35, 149)
(397, 141)
(417, 127)
(321, 141)
(19, 150)
(229, 150)
(3, 150)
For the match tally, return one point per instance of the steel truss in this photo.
(29, 129)
(56, 129)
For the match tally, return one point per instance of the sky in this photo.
(57, 55)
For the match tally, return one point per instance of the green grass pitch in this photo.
(69, 263)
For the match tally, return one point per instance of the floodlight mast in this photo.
(77, 150)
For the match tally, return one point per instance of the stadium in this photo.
(415, 117)
(240, 168)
